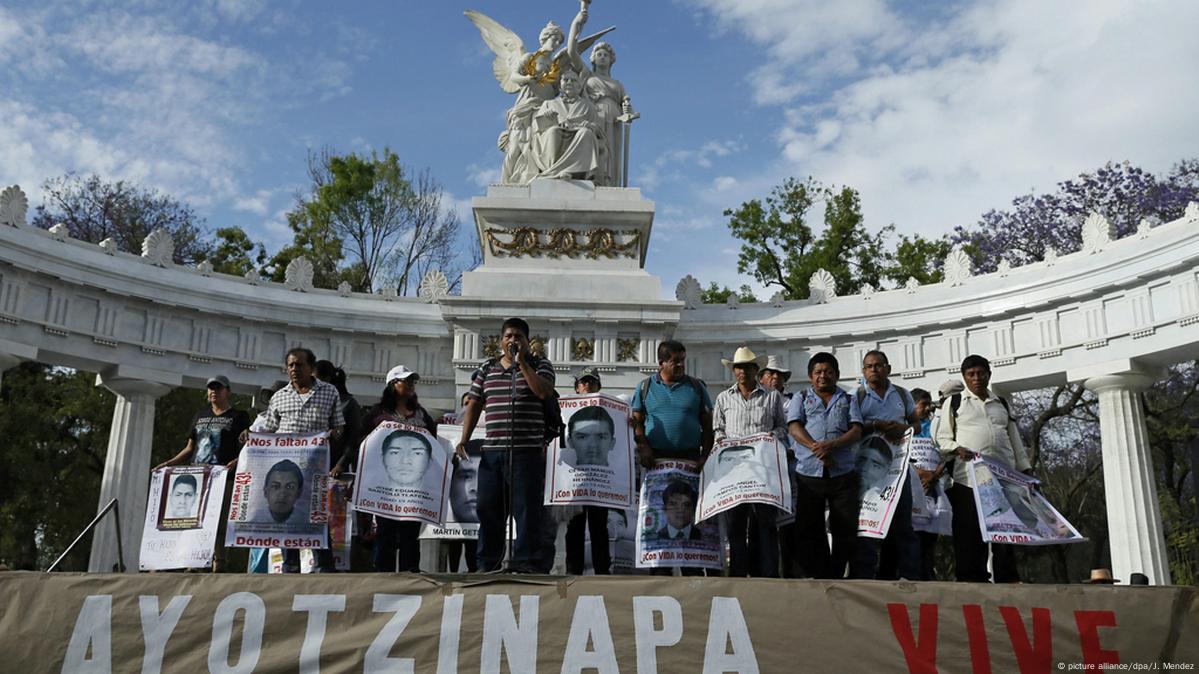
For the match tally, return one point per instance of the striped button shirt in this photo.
(520, 423)
(735, 417)
(289, 412)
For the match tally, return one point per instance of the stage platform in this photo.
(183, 622)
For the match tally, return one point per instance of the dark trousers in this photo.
(900, 549)
(393, 536)
(840, 494)
(969, 548)
(928, 554)
(526, 480)
(460, 550)
(593, 519)
(753, 541)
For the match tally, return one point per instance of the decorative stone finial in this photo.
(867, 291)
(343, 289)
(823, 287)
(1097, 233)
(109, 246)
(1192, 212)
(1050, 256)
(958, 267)
(158, 247)
(389, 293)
(688, 291)
(776, 300)
(733, 301)
(298, 275)
(912, 285)
(433, 286)
(1144, 228)
(253, 277)
(60, 232)
(13, 206)
(1004, 268)
(205, 268)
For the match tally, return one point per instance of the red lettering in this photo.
(920, 654)
(1089, 622)
(980, 654)
(1035, 657)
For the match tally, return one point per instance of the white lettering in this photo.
(451, 624)
(590, 623)
(157, 629)
(318, 607)
(378, 659)
(93, 628)
(501, 633)
(648, 639)
(725, 624)
(251, 635)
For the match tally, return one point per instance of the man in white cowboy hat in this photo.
(775, 375)
(748, 408)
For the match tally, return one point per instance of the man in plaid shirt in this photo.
(306, 406)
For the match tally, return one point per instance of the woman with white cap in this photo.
(398, 403)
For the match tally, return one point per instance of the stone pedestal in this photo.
(126, 471)
(1133, 516)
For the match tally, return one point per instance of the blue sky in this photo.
(936, 112)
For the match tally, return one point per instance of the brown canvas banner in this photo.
(401, 623)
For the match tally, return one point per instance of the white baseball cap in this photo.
(401, 372)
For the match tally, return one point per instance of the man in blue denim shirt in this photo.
(825, 425)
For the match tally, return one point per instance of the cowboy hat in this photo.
(1101, 577)
(776, 364)
(743, 356)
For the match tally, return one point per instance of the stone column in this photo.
(126, 470)
(1134, 518)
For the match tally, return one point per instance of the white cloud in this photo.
(936, 122)
(670, 165)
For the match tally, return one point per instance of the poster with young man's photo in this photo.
(403, 474)
(280, 493)
(931, 511)
(668, 534)
(744, 470)
(593, 463)
(462, 514)
(882, 475)
(1012, 510)
(182, 516)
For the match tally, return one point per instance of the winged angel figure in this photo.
(533, 77)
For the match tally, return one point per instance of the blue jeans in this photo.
(526, 480)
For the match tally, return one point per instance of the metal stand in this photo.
(112, 505)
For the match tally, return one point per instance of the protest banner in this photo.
(1012, 510)
(668, 534)
(403, 472)
(280, 493)
(183, 514)
(882, 472)
(113, 622)
(744, 470)
(931, 511)
(594, 466)
(462, 515)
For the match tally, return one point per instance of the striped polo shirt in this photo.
(522, 421)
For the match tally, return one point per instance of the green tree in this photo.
(715, 294)
(231, 252)
(94, 209)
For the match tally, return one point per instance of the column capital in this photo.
(1128, 381)
(1125, 373)
(129, 388)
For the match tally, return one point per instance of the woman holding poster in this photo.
(397, 460)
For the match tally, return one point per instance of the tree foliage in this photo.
(231, 251)
(716, 294)
(94, 209)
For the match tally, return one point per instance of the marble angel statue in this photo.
(533, 77)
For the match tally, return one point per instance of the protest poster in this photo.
(882, 473)
(462, 515)
(280, 493)
(668, 534)
(182, 517)
(403, 472)
(931, 511)
(744, 470)
(592, 464)
(1012, 510)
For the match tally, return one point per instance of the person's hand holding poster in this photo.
(462, 516)
(595, 465)
(280, 493)
(744, 470)
(403, 472)
(931, 511)
(182, 515)
(668, 533)
(882, 474)
(1012, 510)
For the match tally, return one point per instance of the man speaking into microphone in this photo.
(508, 392)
